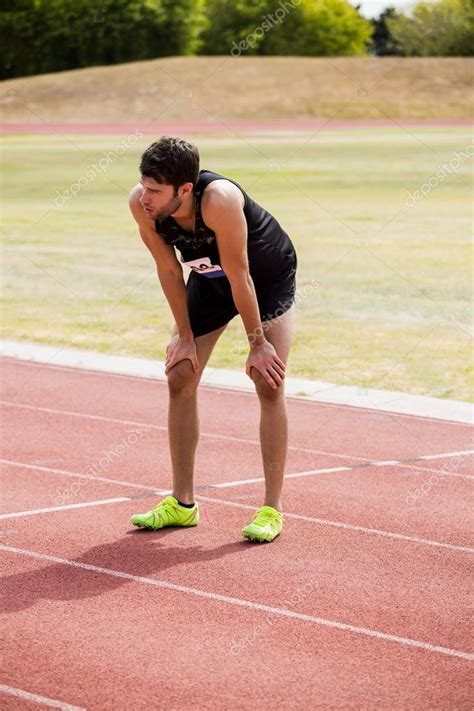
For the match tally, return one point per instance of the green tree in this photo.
(284, 27)
(443, 29)
(18, 30)
(318, 28)
(53, 35)
(383, 43)
(81, 33)
(229, 22)
(183, 25)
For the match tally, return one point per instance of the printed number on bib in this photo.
(203, 266)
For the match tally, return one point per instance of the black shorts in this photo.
(211, 306)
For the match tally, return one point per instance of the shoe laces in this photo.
(268, 516)
(167, 506)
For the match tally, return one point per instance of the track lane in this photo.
(393, 587)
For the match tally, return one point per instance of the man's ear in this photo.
(185, 189)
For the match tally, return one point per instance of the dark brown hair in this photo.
(171, 161)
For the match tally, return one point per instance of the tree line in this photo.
(38, 36)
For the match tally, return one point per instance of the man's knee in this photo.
(182, 380)
(264, 390)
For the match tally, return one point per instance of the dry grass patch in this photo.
(209, 89)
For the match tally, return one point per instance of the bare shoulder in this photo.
(162, 253)
(135, 193)
(222, 193)
(134, 202)
(146, 226)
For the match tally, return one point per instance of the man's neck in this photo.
(186, 211)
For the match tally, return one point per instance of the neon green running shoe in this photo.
(267, 524)
(168, 513)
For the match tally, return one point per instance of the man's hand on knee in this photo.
(180, 349)
(265, 360)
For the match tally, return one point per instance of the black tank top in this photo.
(271, 253)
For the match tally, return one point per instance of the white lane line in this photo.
(79, 475)
(368, 465)
(166, 492)
(84, 415)
(34, 512)
(219, 485)
(450, 412)
(348, 526)
(145, 425)
(387, 462)
(249, 604)
(52, 703)
(451, 454)
(228, 438)
(427, 469)
(240, 482)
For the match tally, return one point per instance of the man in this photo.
(241, 262)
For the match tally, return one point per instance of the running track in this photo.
(203, 127)
(362, 603)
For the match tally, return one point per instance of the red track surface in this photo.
(360, 604)
(174, 127)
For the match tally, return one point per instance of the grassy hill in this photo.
(246, 88)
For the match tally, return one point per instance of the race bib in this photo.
(203, 266)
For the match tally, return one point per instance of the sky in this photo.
(373, 8)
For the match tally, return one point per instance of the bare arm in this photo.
(170, 275)
(223, 212)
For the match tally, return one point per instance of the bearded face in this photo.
(159, 200)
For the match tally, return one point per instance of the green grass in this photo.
(389, 305)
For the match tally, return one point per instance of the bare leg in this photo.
(183, 419)
(273, 416)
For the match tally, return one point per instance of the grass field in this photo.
(384, 284)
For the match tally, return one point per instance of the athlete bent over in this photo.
(241, 262)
